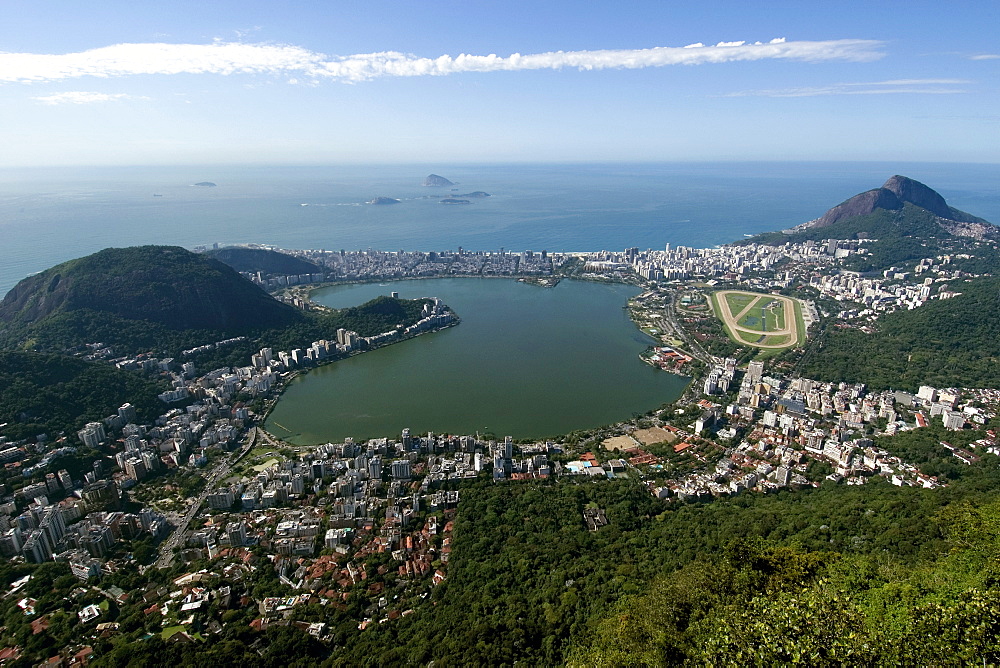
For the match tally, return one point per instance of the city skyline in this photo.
(393, 82)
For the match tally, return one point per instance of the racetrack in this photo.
(785, 321)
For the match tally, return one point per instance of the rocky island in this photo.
(205, 184)
(382, 200)
(452, 200)
(435, 181)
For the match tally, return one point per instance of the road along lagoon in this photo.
(525, 361)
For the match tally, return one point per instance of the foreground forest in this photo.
(873, 574)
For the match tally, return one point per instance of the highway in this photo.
(217, 474)
(669, 323)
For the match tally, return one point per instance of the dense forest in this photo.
(50, 394)
(164, 285)
(951, 342)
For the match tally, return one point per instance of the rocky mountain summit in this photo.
(894, 195)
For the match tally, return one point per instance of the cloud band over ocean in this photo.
(297, 63)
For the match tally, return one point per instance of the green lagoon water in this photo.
(525, 361)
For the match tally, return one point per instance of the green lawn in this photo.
(800, 324)
(763, 319)
(266, 465)
(772, 319)
(739, 302)
(171, 630)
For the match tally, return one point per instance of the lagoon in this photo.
(526, 361)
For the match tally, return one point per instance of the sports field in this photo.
(760, 320)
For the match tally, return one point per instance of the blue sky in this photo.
(311, 83)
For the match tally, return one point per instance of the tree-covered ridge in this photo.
(265, 261)
(165, 286)
(167, 300)
(950, 342)
(761, 604)
(49, 394)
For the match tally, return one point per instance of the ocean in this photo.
(50, 215)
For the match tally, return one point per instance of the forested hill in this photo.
(763, 605)
(154, 289)
(47, 394)
(951, 342)
(265, 261)
(909, 220)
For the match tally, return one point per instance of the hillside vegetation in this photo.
(163, 287)
(951, 342)
(165, 300)
(907, 219)
(265, 261)
(49, 394)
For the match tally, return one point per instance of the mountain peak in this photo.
(915, 192)
(899, 191)
(861, 205)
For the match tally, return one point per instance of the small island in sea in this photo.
(433, 180)
(205, 184)
(382, 200)
(452, 200)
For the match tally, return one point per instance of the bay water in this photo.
(525, 361)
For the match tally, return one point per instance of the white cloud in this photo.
(985, 56)
(893, 86)
(226, 58)
(84, 97)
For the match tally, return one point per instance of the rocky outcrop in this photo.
(915, 192)
(433, 180)
(899, 191)
(861, 205)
